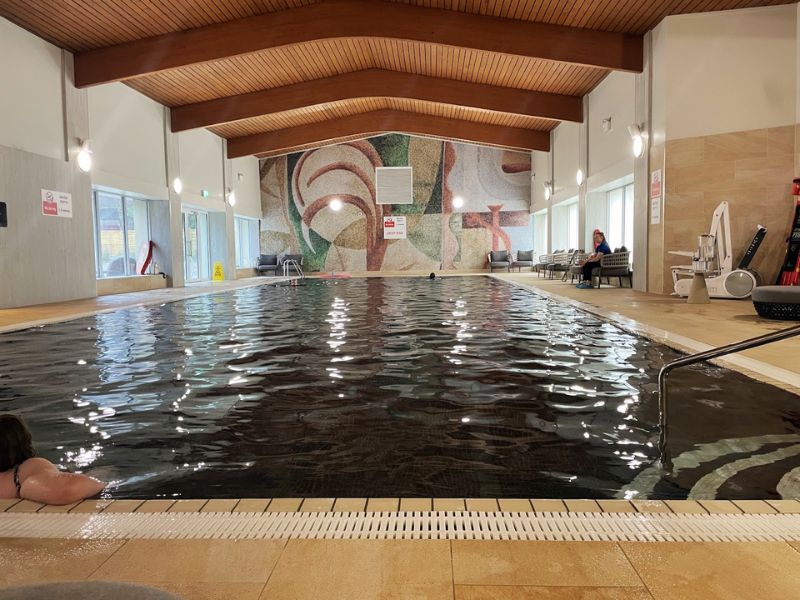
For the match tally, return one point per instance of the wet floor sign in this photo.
(219, 272)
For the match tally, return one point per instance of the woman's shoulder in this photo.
(36, 464)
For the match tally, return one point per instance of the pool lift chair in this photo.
(714, 258)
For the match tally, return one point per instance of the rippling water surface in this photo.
(458, 387)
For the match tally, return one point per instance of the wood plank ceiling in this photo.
(82, 26)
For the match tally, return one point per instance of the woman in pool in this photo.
(592, 262)
(24, 475)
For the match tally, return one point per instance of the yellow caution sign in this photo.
(219, 272)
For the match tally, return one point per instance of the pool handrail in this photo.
(775, 336)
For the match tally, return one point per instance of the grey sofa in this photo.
(267, 263)
(524, 259)
(499, 259)
(616, 264)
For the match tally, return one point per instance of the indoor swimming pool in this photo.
(388, 387)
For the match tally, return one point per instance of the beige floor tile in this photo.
(416, 504)
(755, 506)
(383, 504)
(123, 506)
(513, 592)
(192, 561)
(617, 506)
(92, 506)
(211, 591)
(187, 506)
(650, 506)
(356, 569)
(317, 505)
(515, 505)
(544, 506)
(691, 507)
(7, 503)
(720, 507)
(788, 507)
(724, 570)
(42, 560)
(25, 506)
(219, 505)
(482, 505)
(479, 562)
(582, 506)
(256, 505)
(56, 508)
(155, 506)
(350, 505)
(284, 504)
(452, 504)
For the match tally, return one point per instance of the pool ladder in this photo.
(295, 265)
(663, 396)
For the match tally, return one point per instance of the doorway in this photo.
(196, 262)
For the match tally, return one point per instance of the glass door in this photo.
(196, 250)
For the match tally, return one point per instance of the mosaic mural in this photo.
(495, 185)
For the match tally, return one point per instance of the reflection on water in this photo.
(458, 387)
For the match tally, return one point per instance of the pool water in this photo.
(401, 387)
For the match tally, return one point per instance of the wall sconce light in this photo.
(579, 177)
(458, 202)
(335, 204)
(231, 197)
(607, 124)
(548, 190)
(177, 185)
(85, 156)
(637, 139)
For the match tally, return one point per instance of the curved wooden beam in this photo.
(359, 18)
(377, 83)
(377, 122)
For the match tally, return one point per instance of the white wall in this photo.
(610, 155)
(31, 100)
(704, 58)
(565, 160)
(201, 168)
(127, 132)
(246, 184)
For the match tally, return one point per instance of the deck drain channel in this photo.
(434, 525)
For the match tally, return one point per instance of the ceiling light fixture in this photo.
(85, 156)
(458, 202)
(336, 204)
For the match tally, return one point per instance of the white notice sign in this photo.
(394, 227)
(56, 204)
(655, 210)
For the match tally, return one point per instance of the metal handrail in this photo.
(666, 459)
(294, 264)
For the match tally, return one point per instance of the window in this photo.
(620, 217)
(246, 242)
(565, 225)
(540, 232)
(122, 225)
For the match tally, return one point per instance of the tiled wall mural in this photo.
(494, 184)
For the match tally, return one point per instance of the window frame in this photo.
(98, 249)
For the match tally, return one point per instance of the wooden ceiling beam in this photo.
(293, 139)
(377, 83)
(359, 19)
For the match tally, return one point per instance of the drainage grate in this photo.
(408, 525)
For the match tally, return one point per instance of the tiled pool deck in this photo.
(486, 548)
